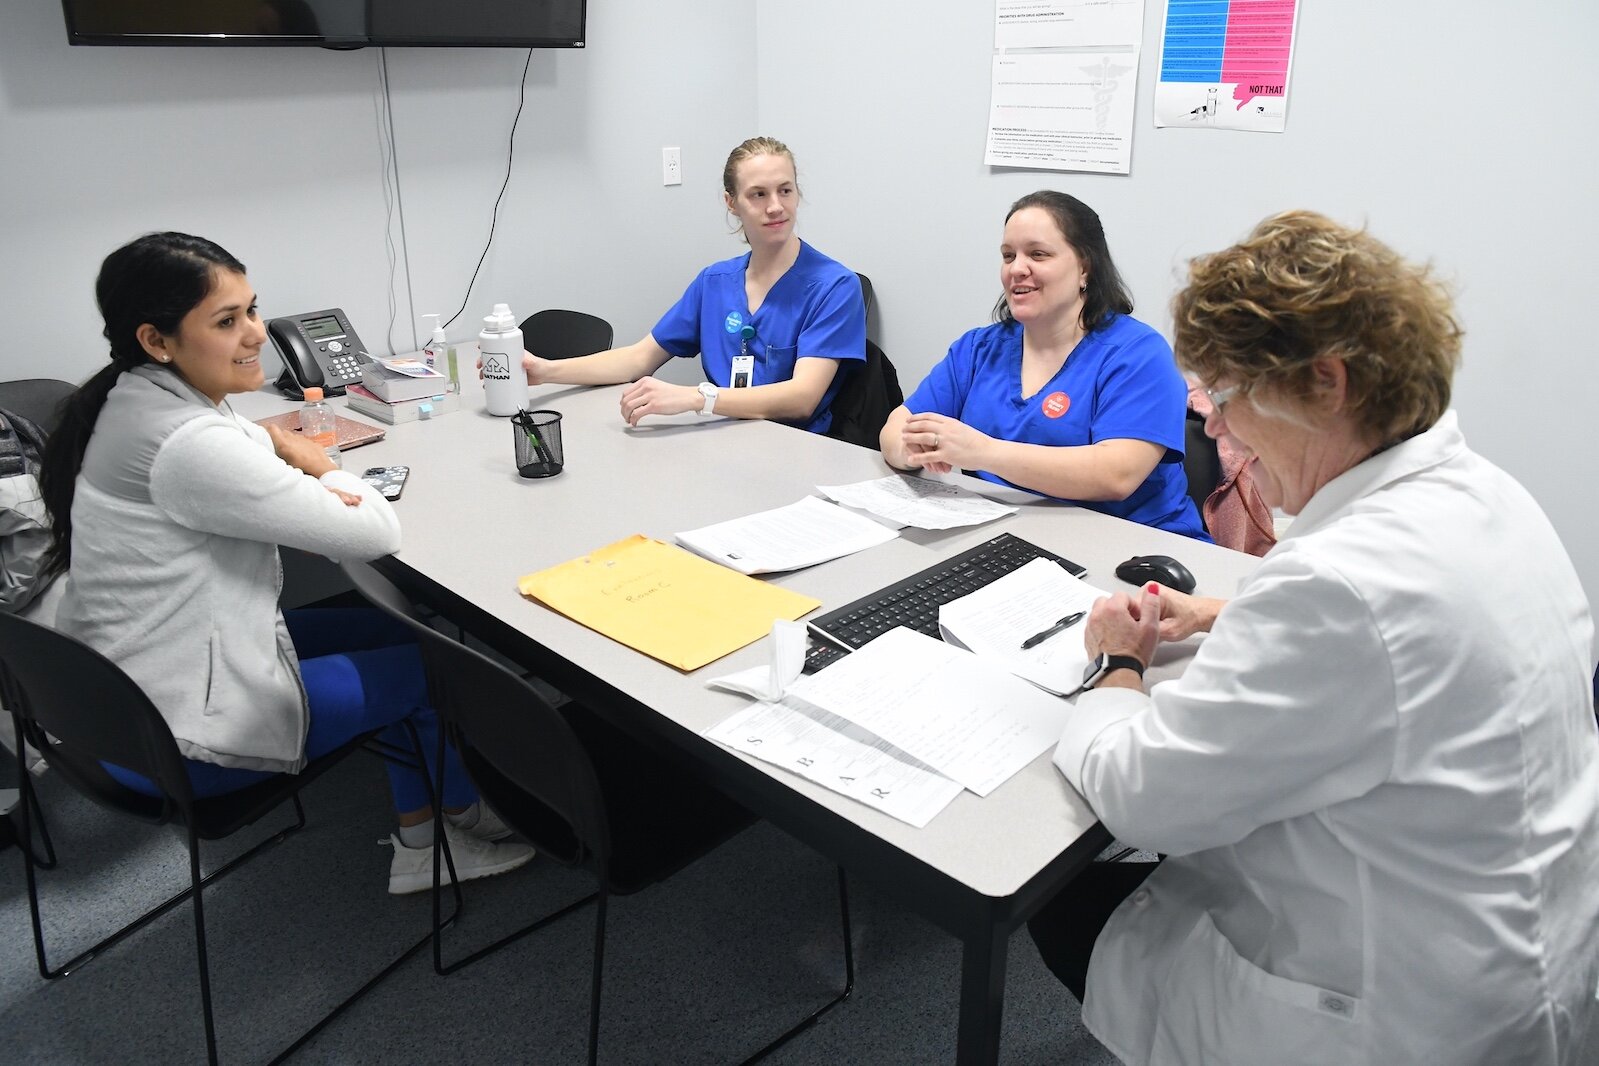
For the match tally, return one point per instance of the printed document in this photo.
(997, 619)
(839, 755)
(787, 538)
(915, 501)
(968, 719)
(1226, 66)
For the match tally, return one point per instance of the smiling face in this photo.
(1042, 274)
(767, 200)
(217, 346)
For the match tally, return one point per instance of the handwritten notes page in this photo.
(915, 501)
(994, 621)
(839, 755)
(663, 601)
(968, 719)
(787, 538)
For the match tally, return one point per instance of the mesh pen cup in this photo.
(538, 443)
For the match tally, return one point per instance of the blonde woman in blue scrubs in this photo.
(770, 326)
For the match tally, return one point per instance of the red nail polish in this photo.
(1153, 588)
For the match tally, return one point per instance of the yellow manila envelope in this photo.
(665, 602)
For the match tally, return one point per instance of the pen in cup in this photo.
(1065, 623)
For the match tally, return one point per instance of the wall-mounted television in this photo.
(329, 23)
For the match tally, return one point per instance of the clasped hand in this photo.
(652, 396)
(939, 444)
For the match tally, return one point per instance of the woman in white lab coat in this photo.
(1377, 784)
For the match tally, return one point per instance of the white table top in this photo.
(473, 525)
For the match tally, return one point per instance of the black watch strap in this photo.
(1103, 664)
(1121, 662)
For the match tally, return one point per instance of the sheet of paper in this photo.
(787, 538)
(664, 601)
(769, 682)
(969, 720)
(1226, 65)
(839, 755)
(1063, 111)
(918, 502)
(1067, 23)
(994, 621)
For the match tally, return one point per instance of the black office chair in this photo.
(585, 793)
(80, 709)
(556, 334)
(868, 396)
(36, 399)
(1201, 461)
(869, 297)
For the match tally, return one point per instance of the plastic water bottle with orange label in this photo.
(318, 422)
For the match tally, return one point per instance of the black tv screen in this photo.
(329, 23)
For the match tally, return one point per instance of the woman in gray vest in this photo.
(169, 509)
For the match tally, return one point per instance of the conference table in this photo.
(472, 526)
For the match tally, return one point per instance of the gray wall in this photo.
(1459, 135)
(275, 154)
(1459, 139)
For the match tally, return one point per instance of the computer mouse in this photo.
(1161, 569)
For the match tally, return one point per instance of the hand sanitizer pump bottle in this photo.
(504, 381)
(434, 352)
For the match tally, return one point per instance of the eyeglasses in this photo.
(1220, 397)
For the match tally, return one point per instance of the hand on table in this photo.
(1125, 625)
(652, 396)
(940, 444)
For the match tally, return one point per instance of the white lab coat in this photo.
(1378, 783)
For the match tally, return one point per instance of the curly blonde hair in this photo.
(1301, 286)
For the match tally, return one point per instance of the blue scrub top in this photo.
(814, 310)
(1120, 382)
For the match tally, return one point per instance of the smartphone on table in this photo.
(389, 480)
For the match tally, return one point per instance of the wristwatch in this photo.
(709, 392)
(1103, 664)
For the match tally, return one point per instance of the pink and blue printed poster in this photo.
(1225, 64)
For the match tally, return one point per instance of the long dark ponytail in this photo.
(157, 279)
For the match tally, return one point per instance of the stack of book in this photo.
(401, 390)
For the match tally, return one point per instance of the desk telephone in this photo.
(318, 348)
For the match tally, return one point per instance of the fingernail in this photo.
(1153, 588)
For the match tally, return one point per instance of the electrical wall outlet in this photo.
(671, 166)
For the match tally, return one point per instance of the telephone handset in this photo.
(318, 348)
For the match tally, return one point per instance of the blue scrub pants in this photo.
(361, 670)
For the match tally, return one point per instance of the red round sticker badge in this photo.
(1056, 404)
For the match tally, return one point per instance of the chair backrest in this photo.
(1201, 461)
(93, 712)
(514, 744)
(868, 396)
(869, 298)
(36, 399)
(557, 334)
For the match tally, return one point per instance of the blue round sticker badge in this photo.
(733, 322)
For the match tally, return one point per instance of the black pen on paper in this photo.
(1065, 623)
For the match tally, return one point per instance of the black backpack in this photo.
(868, 396)
(21, 445)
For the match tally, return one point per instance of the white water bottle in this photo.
(504, 380)
(318, 422)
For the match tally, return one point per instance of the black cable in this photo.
(391, 254)
(510, 154)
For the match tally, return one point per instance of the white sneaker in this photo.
(412, 868)
(488, 826)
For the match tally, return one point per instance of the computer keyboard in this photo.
(914, 602)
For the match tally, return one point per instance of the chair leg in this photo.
(849, 979)
(594, 980)
(202, 958)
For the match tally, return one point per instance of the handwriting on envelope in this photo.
(663, 601)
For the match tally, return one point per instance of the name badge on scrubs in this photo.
(743, 371)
